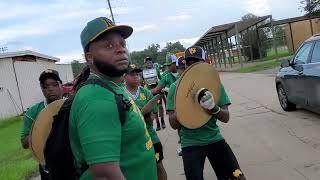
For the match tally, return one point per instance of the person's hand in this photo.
(206, 99)
(148, 118)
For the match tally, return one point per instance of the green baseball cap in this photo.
(100, 25)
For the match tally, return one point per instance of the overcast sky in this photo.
(53, 27)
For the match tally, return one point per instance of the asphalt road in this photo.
(268, 142)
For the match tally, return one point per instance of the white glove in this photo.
(207, 100)
(166, 89)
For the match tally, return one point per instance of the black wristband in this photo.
(215, 110)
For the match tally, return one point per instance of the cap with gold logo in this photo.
(101, 25)
(134, 68)
(49, 73)
(194, 52)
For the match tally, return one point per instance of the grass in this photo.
(260, 67)
(268, 62)
(15, 162)
(282, 52)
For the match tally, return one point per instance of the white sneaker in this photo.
(179, 151)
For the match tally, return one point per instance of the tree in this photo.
(151, 51)
(280, 35)
(156, 53)
(174, 47)
(77, 67)
(311, 7)
(249, 39)
(171, 48)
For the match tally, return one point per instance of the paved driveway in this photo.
(268, 142)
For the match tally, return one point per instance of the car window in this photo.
(302, 54)
(315, 58)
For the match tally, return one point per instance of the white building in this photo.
(19, 79)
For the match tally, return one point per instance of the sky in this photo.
(53, 27)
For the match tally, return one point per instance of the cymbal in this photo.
(148, 107)
(41, 129)
(189, 112)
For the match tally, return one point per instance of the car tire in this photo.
(283, 99)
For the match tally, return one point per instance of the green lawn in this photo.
(282, 52)
(259, 67)
(15, 162)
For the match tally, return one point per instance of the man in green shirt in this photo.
(170, 77)
(151, 76)
(51, 86)
(206, 141)
(112, 150)
(141, 97)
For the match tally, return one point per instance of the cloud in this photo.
(180, 17)
(186, 42)
(257, 7)
(58, 16)
(70, 56)
(26, 48)
(144, 28)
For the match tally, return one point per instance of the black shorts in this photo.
(158, 151)
(220, 156)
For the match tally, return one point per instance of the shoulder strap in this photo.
(122, 105)
(173, 77)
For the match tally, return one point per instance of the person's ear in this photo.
(89, 57)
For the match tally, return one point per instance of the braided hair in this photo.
(81, 78)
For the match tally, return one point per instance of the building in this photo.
(19, 84)
(299, 29)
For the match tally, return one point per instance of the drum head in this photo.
(189, 112)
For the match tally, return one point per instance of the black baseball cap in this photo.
(147, 59)
(181, 63)
(134, 67)
(49, 73)
(194, 52)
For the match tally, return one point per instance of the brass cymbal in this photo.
(41, 129)
(189, 112)
(148, 107)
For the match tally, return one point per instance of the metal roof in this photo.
(290, 20)
(228, 29)
(28, 52)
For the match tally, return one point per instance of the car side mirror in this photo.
(286, 63)
(291, 62)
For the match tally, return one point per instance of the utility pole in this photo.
(111, 11)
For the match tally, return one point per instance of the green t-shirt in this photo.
(208, 133)
(30, 116)
(167, 80)
(97, 136)
(164, 73)
(141, 98)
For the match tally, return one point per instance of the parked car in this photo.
(298, 80)
(67, 89)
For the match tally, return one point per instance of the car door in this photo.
(312, 74)
(295, 78)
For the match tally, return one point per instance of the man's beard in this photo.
(108, 69)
